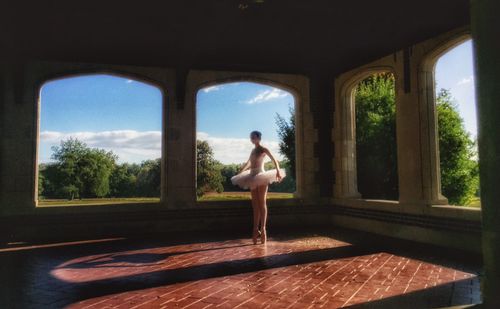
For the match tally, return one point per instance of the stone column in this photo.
(181, 144)
(486, 38)
(344, 136)
(321, 94)
(418, 150)
(412, 139)
(17, 141)
(408, 127)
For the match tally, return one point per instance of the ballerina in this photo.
(253, 176)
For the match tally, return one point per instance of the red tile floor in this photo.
(302, 270)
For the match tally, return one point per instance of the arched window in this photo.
(100, 141)
(375, 130)
(456, 122)
(365, 134)
(225, 115)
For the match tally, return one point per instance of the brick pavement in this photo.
(302, 271)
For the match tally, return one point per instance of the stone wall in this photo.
(418, 150)
(20, 122)
(326, 184)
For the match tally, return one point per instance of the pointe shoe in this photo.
(263, 236)
(255, 235)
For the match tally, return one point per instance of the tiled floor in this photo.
(340, 269)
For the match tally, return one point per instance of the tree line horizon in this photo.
(79, 171)
(377, 173)
(83, 172)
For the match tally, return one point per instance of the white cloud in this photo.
(129, 145)
(466, 80)
(212, 88)
(136, 146)
(464, 93)
(235, 150)
(129, 81)
(268, 95)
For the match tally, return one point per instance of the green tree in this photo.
(41, 180)
(122, 182)
(81, 171)
(376, 148)
(96, 167)
(208, 176)
(47, 178)
(286, 133)
(457, 153)
(228, 171)
(149, 178)
(376, 144)
(68, 178)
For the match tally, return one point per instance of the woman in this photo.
(253, 176)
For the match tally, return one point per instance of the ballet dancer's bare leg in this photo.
(256, 215)
(262, 193)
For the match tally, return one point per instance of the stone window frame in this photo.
(419, 193)
(427, 97)
(298, 87)
(344, 133)
(43, 72)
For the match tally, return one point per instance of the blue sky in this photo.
(100, 103)
(124, 115)
(455, 71)
(104, 111)
(227, 113)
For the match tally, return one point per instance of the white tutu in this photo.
(252, 178)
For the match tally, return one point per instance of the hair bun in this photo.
(256, 133)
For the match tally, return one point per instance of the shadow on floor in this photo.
(434, 297)
(30, 280)
(207, 271)
(69, 292)
(140, 259)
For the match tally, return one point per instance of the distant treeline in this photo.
(83, 172)
(79, 171)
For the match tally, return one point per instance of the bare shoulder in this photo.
(265, 149)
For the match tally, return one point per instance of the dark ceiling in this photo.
(261, 35)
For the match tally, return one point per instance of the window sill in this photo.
(368, 203)
(98, 208)
(458, 212)
(445, 211)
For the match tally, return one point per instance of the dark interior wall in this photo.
(319, 39)
(288, 36)
(321, 90)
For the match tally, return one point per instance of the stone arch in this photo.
(264, 82)
(427, 102)
(345, 129)
(251, 79)
(297, 86)
(40, 82)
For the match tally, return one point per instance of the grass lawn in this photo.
(476, 202)
(212, 196)
(97, 201)
(243, 195)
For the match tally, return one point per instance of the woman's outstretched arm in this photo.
(276, 164)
